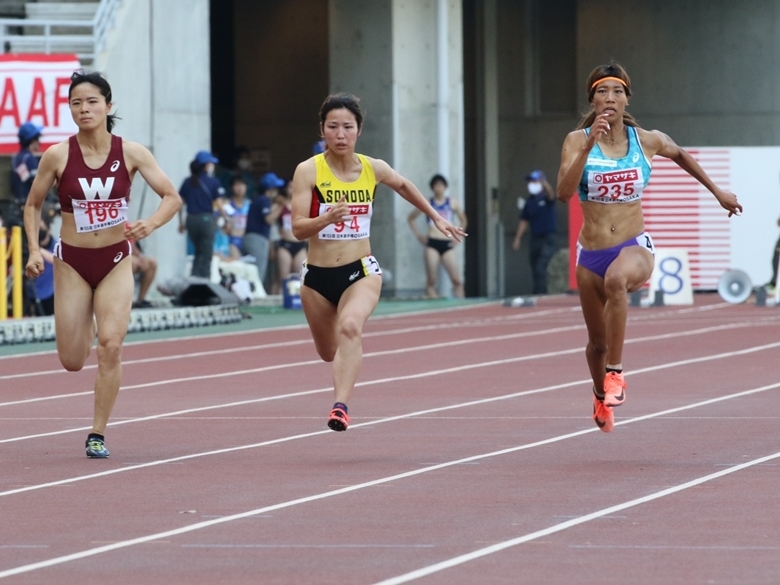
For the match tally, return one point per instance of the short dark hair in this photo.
(437, 178)
(95, 78)
(338, 101)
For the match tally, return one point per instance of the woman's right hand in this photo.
(182, 228)
(339, 212)
(599, 128)
(34, 266)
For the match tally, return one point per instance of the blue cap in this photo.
(29, 131)
(535, 176)
(271, 181)
(204, 156)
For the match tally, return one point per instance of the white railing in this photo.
(103, 22)
(86, 45)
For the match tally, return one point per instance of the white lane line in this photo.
(233, 351)
(434, 346)
(302, 327)
(308, 341)
(385, 381)
(489, 550)
(400, 417)
(407, 474)
(477, 321)
(380, 381)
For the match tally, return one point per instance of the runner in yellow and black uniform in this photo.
(333, 197)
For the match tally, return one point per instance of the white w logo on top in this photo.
(96, 189)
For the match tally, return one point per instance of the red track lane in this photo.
(470, 428)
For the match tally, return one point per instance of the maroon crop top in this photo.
(78, 181)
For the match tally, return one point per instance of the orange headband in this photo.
(595, 83)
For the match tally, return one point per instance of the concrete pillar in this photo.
(387, 56)
(158, 65)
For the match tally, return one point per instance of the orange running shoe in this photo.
(614, 389)
(603, 415)
(339, 420)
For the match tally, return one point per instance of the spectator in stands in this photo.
(201, 193)
(290, 251)
(257, 235)
(245, 168)
(24, 165)
(236, 210)
(146, 268)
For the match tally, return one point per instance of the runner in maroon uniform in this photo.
(93, 279)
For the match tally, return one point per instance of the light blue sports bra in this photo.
(615, 180)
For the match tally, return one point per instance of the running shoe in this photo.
(96, 449)
(339, 420)
(614, 389)
(603, 415)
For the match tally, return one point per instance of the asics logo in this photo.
(325, 184)
(354, 275)
(118, 257)
(114, 166)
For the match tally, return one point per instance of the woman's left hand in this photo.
(138, 230)
(728, 201)
(449, 230)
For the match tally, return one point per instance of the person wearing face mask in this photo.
(538, 214)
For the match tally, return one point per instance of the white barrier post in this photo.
(672, 276)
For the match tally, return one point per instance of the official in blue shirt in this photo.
(539, 214)
(201, 193)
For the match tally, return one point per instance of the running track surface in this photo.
(472, 457)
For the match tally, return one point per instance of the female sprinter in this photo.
(333, 195)
(93, 271)
(606, 160)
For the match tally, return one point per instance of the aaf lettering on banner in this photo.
(34, 88)
(672, 275)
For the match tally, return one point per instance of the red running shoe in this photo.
(339, 420)
(603, 415)
(614, 389)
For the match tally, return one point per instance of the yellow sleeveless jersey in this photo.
(328, 190)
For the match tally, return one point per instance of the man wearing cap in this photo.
(539, 214)
(24, 165)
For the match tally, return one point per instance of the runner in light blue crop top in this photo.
(615, 180)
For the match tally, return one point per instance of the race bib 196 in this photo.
(356, 227)
(98, 215)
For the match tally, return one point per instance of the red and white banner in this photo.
(34, 88)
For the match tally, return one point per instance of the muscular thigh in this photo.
(592, 300)
(322, 318)
(634, 264)
(113, 300)
(73, 317)
(360, 299)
